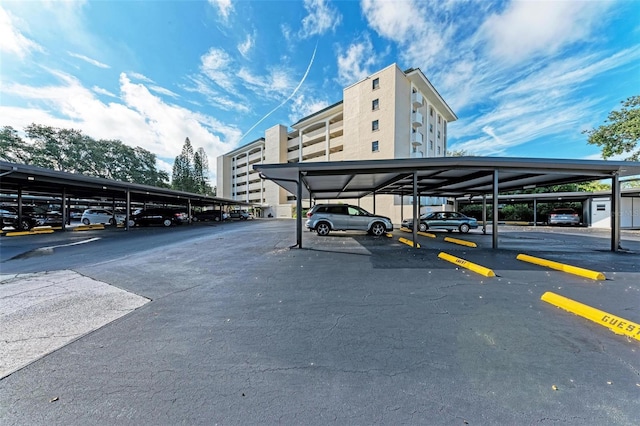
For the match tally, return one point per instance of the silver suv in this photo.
(324, 218)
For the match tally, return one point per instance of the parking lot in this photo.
(351, 329)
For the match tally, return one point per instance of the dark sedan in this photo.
(443, 220)
(158, 216)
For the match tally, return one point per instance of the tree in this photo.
(190, 171)
(71, 151)
(622, 133)
(12, 147)
(458, 153)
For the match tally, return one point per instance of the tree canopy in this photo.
(621, 133)
(190, 171)
(71, 151)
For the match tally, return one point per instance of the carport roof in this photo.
(442, 176)
(40, 181)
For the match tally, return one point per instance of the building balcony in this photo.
(417, 99)
(416, 138)
(416, 119)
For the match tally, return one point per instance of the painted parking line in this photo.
(408, 242)
(587, 273)
(468, 265)
(614, 323)
(460, 242)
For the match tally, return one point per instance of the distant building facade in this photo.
(390, 114)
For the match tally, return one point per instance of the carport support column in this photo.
(494, 224)
(299, 211)
(374, 202)
(615, 213)
(127, 196)
(64, 209)
(484, 214)
(535, 211)
(416, 202)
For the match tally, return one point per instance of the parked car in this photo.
(40, 216)
(90, 216)
(207, 215)
(9, 218)
(564, 216)
(443, 220)
(324, 218)
(158, 216)
(240, 214)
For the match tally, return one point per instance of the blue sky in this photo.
(525, 78)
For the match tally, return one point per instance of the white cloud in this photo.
(13, 41)
(356, 62)
(101, 91)
(216, 65)
(163, 91)
(246, 45)
(394, 20)
(539, 28)
(277, 84)
(304, 105)
(89, 60)
(140, 77)
(321, 18)
(137, 118)
(224, 6)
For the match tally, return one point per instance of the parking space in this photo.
(351, 329)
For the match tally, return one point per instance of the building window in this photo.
(438, 119)
(431, 128)
(438, 149)
(431, 145)
(374, 125)
(431, 112)
(438, 134)
(375, 83)
(375, 104)
(374, 146)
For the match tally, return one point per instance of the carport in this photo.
(18, 180)
(443, 177)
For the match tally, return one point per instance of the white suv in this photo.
(324, 218)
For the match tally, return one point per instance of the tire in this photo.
(112, 222)
(132, 223)
(25, 225)
(422, 227)
(167, 222)
(464, 228)
(323, 229)
(216, 219)
(377, 229)
(86, 221)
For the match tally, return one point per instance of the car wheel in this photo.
(25, 225)
(112, 221)
(132, 223)
(216, 219)
(377, 229)
(167, 222)
(464, 228)
(323, 229)
(86, 221)
(422, 227)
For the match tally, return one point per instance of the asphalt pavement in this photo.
(236, 327)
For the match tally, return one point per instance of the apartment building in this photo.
(390, 114)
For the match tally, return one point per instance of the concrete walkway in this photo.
(44, 311)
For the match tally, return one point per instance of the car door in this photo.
(358, 220)
(439, 221)
(339, 216)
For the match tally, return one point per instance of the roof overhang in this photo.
(39, 181)
(443, 176)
